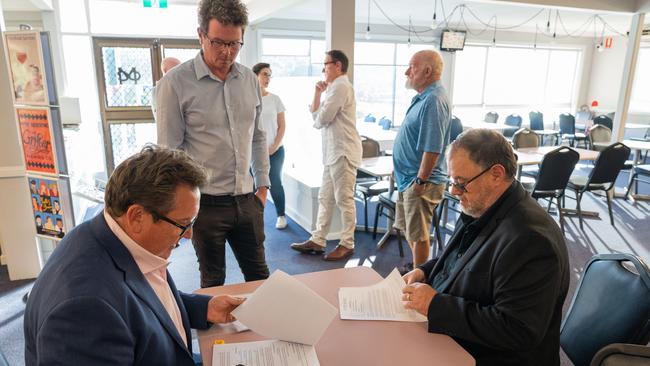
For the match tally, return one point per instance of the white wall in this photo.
(606, 75)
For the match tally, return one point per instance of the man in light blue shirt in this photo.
(418, 153)
(210, 107)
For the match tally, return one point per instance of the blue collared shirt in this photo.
(425, 128)
(217, 122)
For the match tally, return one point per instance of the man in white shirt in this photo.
(335, 117)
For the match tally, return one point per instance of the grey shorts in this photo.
(413, 213)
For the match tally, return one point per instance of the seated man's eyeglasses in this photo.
(183, 228)
(221, 44)
(463, 186)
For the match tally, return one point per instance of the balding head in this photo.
(424, 69)
(169, 63)
(432, 59)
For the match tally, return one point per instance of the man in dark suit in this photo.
(105, 296)
(499, 286)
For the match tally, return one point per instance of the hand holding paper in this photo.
(381, 301)
(284, 308)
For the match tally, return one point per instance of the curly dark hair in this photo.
(226, 12)
(150, 178)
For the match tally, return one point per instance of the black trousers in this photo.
(240, 221)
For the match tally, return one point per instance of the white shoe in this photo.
(281, 223)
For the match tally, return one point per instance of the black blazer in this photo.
(503, 302)
(91, 305)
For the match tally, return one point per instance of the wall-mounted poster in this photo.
(50, 206)
(27, 68)
(36, 139)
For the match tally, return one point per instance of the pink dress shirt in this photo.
(154, 270)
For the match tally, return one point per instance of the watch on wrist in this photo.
(419, 181)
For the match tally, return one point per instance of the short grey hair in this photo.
(150, 178)
(226, 12)
(486, 148)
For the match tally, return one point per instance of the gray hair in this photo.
(486, 148)
(150, 178)
(226, 12)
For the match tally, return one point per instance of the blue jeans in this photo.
(275, 174)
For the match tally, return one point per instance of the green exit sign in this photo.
(154, 3)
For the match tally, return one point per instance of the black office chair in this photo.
(622, 354)
(536, 119)
(367, 185)
(639, 172)
(512, 120)
(568, 130)
(456, 128)
(553, 177)
(388, 203)
(611, 305)
(602, 177)
(491, 117)
(605, 121)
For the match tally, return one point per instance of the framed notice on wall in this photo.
(27, 68)
(42, 140)
(51, 206)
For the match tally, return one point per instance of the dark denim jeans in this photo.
(275, 174)
(240, 221)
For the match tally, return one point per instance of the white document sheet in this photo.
(381, 301)
(284, 308)
(264, 353)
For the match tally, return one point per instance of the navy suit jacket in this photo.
(503, 300)
(91, 305)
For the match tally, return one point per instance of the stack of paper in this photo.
(381, 301)
(283, 309)
(264, 353)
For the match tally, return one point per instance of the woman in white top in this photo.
(274, 125)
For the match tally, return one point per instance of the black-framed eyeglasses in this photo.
(328, 62)
(183, 228)
(463, 186)
(222, 45)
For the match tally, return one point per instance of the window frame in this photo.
(135, 114)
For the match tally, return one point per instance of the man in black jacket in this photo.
(499, 286)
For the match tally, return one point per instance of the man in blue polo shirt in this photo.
(418, 153)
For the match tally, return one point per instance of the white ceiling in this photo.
(507, 14)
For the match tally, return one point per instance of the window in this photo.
(296, 64)
(514, 80)
(127, 70)
(379, 79)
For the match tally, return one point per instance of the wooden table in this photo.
(381, 166)
(385, 138)
(350, 342)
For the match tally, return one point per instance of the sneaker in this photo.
(408, 267)
(281, 222)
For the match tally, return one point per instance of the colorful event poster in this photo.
(27, 68)
(36, 139)
(49, 215)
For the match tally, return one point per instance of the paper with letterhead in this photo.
(381, 301)
(264, 353)
(284, 308)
